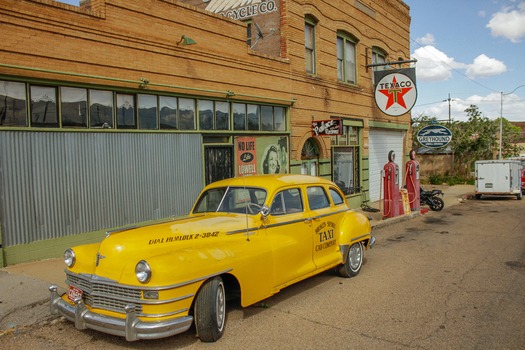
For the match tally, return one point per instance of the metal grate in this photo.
(106, 296)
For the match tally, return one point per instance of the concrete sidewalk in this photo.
(24, 293)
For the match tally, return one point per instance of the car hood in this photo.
(119, 253)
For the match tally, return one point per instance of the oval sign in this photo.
(246, 157)
(434, 136)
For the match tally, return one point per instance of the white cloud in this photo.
(433, 64)
(509, 23)
(484, 66)
(489, 105)
(428, 39)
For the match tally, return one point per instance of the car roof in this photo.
(270, 181)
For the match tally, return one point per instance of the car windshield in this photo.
(231, 200)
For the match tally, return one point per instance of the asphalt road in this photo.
(445, 280)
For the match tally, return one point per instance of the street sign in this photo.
(434, 136)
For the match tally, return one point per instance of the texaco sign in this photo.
(395, 94)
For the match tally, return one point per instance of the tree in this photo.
(475, 139)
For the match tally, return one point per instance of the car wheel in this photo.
(436, 204)
(519, 195)
(354, 261)
(210, 310)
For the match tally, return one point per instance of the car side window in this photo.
(317, 198)
(287, 202)
(336, 197)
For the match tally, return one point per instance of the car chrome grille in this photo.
(103, 295)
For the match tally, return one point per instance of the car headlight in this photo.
(143, 271)
(69, 258)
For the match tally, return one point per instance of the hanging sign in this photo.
(395, 93)
(434, 136)
(329, 127)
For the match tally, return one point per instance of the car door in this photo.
(289, 231)
(327, 208)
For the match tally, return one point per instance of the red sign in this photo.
(246, 159)
(74, 293)
(327, 127)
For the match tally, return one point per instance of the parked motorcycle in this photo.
(431, 199)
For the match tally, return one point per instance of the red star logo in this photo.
(395, 94)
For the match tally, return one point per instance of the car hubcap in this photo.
(355, 256)
(221, 307)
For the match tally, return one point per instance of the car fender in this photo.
(355, 227)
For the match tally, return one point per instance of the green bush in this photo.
(436, 179)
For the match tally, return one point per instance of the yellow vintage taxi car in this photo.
(245, 237)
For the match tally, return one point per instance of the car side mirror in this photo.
(265, 211)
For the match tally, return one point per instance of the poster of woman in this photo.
(275, 155)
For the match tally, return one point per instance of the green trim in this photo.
(397, 126)
(353, 122)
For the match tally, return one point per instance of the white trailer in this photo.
(498, 177)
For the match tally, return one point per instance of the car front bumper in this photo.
(131, 327)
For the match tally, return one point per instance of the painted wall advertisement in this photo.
(261, 155)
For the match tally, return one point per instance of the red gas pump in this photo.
(412, 181)
(392, 205)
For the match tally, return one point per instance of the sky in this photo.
(468, 51)
(471, 51)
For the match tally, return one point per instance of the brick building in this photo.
(116, 112)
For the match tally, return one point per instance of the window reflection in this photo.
(187, 114)
(43, 106)
(73, 102)
(147, 109)
(13, 104)
(222, 115)
(168, 112)
(126, 112)
(205, 115)
(239, 116)
(253, 117)
(101, 109)
(83, 108)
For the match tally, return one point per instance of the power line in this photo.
(452, 68)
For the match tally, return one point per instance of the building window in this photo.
(101, 107)
(126, 112)
(309, 44)
(214, 115)
(186, 114)
(345, 152)
(147, 112)
(346, 58)
(205, 115)
(13, 104)
(249, 33)
(73, 106)
(254, 117)
(378, 57)
(310, 157)
(168, 112)
(44, 106)
(239, 116)
(90, 108)
(222, 115)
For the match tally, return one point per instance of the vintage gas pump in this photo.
(412, 181)
(392, 205)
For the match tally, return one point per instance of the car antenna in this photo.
(246, 214)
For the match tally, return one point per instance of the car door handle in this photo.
(316, 218)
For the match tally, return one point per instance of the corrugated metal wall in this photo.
(58, 184)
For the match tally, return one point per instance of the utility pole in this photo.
(449, 123)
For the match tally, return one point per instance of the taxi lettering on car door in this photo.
(327, 209)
